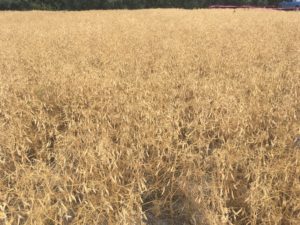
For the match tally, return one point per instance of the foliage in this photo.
(115, 4)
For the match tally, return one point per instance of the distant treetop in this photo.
(122, 4)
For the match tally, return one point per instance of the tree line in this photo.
(122, 4)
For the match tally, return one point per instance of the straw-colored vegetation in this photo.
(150, 117)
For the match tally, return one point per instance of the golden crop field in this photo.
(157, 117)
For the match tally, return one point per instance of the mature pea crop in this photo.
(150, 117)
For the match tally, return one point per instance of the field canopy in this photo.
(170, 116)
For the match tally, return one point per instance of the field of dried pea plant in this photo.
(164, 117)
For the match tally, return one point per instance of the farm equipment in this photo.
(290, 4)
(287, 5)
